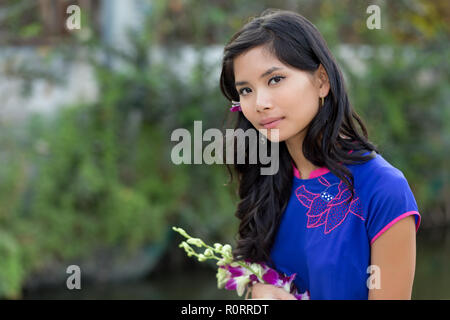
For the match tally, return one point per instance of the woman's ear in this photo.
(323, 81)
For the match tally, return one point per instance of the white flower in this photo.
(257, 268)
(305, 296)
(241, 282)
(222, 277)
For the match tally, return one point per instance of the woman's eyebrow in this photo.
(269, 71)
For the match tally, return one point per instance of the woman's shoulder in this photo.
(385, 194)
(377, 174)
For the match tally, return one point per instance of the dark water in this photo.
(195, 284)
(432, 279)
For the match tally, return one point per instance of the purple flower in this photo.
(231, 284)
(236, 277)
(253, 278)
(236, 271)
(302, 296)
(271, 277)
(236, 106)
(238, 283)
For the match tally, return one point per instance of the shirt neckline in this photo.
(314, 174)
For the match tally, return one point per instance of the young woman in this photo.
(336, 213)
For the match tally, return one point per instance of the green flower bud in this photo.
(226, 253)
(208, 252)
(185, 246)
(221, 262)
(226, 249)
(227, 259)
(181, 231)
(195, 241)
(201, 257)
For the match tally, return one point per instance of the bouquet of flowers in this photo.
(237, 275)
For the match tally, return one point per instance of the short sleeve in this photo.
(391, 201)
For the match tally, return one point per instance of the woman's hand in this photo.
(268, 291)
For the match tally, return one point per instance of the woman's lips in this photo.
(272, 124)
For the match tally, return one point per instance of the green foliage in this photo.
(402, 98)
(100, 175)
(11, 266)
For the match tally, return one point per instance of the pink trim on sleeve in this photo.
(409, 213)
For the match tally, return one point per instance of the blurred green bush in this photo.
(100, 175)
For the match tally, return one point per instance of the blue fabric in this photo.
(326, 241)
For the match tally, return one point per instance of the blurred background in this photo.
(85, 122)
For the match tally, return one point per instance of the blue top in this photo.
(326, 241)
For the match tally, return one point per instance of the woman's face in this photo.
(269, 89)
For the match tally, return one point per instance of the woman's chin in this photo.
(275, 139)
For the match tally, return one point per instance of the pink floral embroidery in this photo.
(329, 207)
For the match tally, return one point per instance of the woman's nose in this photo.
(263, 102)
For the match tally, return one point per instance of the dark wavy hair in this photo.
(330, 136)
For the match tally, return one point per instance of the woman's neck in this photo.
(295, 148)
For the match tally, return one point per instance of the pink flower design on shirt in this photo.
(330, 207)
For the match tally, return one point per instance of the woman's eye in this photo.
(242, 91)
(276, 78)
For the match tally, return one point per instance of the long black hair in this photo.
(330, 136)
